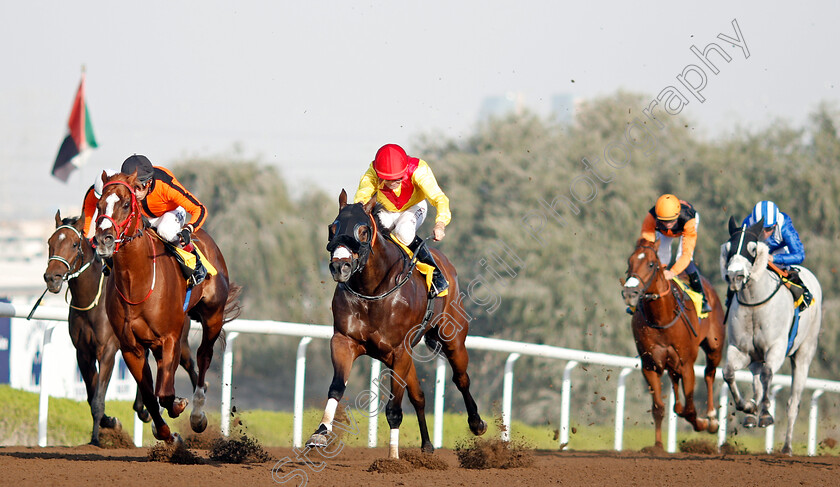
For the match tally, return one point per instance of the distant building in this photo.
(560, 107)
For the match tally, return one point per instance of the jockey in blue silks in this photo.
(785, 246)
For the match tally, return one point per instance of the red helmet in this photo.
(391, 162)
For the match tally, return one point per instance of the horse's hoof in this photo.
(750, 421)
(144, 415)
(178, 407)
(765, 420)
(427, 448)
(701, 424)
(317, 440)
(750, 408)
(478, 428)
(175, 439)
(787, 450)
(110, 422)
(714, 425)
(198, 422)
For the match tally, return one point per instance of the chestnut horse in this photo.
(378, 310)
(148, 303)
(668, 333)
(72, 259)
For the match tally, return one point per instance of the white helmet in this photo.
(97, 183)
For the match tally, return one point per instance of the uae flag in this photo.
(79, 140)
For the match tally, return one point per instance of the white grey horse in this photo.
(759, 326)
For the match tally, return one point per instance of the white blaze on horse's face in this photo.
(641, 256)
(631, 283)
(738, 271)
(112, 201)
(341, 252)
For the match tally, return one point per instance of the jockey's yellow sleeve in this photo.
(424, 184)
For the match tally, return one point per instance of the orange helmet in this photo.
(391, 162)
(668, 207)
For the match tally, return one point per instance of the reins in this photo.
(648, 297)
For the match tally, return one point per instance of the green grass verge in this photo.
(70, 422)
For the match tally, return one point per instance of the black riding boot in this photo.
(802, 297)
(420, 249)
(697, 286)
(199, 271)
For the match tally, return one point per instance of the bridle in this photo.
(679, 311)
(80, 255)
(748, 278)
(122, 227)
(365, 249)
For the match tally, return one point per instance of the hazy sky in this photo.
(316, 87)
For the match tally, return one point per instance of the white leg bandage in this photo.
(329, 413)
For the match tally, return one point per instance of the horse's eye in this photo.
(126, 205)
(650, 265)
(362, 234)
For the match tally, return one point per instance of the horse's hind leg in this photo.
(675, 385)
(459, 359)
(211, 328)
(405, 377)
(799, 363)
(187, 361)
(344, 352)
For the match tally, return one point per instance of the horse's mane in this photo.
(71, 220)
(379, 226)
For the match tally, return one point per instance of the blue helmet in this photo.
(768, 211)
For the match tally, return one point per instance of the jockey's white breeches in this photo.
(169, 224)
(404, 224)
(665, 242)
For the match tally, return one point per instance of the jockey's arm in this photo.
(424, 179)
(177, 194)
(368, 186)
(689, 241)
(649, 228)
(795, 251)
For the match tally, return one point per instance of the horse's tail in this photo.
(233, 308)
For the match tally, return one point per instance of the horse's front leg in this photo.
(690, 412)
(106, 355)
(167, 357)
(773, 361)
(135, 361)
(654, 381)
(344, 352)
(736, 360)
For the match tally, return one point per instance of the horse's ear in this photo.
(104, 177)
(755, 228)
(342, 199)
(132, 178)
(370, 204)
(733, 226)
(57, 218)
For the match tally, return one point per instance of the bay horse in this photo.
(761, 326)
(73, 260)
(668, 336)
(148, 303)
(378, 310)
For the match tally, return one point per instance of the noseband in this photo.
(352, 242)
(79, 256)
(121, 228)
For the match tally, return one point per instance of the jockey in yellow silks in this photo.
(402, 184)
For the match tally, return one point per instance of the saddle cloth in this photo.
(187, 259)
(425, 269)
(696, 297)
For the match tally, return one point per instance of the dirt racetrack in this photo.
(89, 465)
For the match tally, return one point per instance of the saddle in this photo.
(696, 298)
(802, 297)
(424, 268)
(188, 260)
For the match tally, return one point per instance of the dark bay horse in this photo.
(378, 308)
(669, 334)
(72, 259)
(148, 303)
